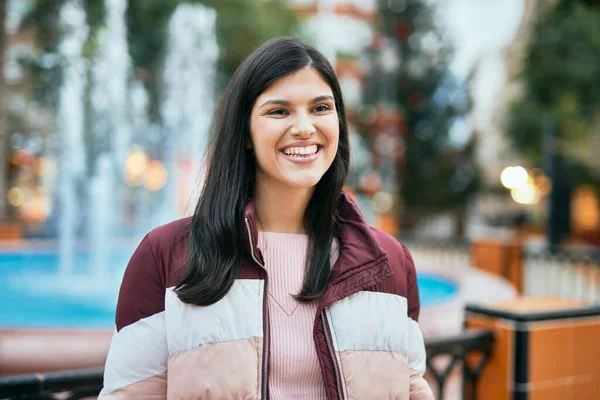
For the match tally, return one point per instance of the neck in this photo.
(281, 209)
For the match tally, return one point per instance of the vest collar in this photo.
(361, 263)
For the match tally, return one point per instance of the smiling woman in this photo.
(276, 287)
(311, 123)
(294, 133)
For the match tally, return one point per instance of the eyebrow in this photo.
(287, 103)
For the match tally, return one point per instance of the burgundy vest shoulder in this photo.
(404, 281)
(169, 244)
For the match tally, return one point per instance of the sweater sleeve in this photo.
(136, 366)
(419, 388)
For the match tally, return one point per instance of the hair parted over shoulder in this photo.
(215, 242)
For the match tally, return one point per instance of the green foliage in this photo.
(561, 81)
(44, 17)
(46, 68)
(95, 15)
(147, 24)
(244, 25)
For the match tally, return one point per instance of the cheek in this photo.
(264, 138)
(333, 136)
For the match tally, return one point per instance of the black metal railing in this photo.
(444, 354)
(66, 385)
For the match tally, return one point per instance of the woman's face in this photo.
(294, 131)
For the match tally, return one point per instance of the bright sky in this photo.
(479, 28)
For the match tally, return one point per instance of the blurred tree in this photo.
(561, 77)
(244, 25)
(556, 122)
(438, 171)
(45, 69)
(3, 135)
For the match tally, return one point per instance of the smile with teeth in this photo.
(301, 151)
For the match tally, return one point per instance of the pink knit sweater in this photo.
(294, 368)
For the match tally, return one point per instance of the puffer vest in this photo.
(366, 333)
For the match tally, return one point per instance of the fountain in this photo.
(111, 130)
(100, 106)
(112, 73)
(188, 102)
(71, 125)
(100, 218)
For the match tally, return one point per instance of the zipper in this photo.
(332, 355)
(266, 312)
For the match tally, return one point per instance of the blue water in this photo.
(33, 296)
(434, 289)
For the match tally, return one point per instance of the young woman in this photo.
(276, 287)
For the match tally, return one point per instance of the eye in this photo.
(322, 108)
(278, 112)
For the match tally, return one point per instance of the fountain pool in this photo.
(34, 295)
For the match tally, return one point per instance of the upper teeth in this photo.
(301, 150)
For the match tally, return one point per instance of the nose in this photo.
(303, 126)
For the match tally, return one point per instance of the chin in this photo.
(304, 182)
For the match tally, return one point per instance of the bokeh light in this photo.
(383, 202)
(135, 167)
(156, 176)
(370, 183)
(16, 197)
(514, 177)
(526, 194)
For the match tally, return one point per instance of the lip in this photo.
(302, 160)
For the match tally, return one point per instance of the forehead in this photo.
(304, 84)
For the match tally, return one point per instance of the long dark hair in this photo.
(215, 243)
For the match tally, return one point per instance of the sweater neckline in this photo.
(269, 233)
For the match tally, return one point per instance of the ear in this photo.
(248, 144)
